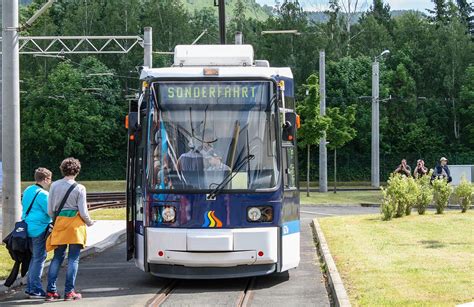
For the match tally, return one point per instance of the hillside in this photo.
(253, 10)
(321, 17)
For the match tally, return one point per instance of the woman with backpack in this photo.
(35, 214)
(68, 207)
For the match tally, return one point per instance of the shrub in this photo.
(464, 193)
(425, 195)
(442, 191)
(394, 197)
(412, 194)
(388, 206)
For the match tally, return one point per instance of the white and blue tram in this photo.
(212, 189)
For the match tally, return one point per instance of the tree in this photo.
(77, 113)
(340, 131)
(466, 11)
(467, 107)
(440, 12)
(313, 124)
(349, 8)
(381, 12)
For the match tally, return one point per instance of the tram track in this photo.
(106, 200)
(244, 297)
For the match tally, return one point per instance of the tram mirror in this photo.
(289, 131)
(132, 122)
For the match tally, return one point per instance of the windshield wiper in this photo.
(229, 177)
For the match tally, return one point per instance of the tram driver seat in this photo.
(191, 166)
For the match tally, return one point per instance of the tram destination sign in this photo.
(234, 92)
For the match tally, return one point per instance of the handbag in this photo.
(49, 229)
(19, 235)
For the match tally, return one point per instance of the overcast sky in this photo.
(319, 5)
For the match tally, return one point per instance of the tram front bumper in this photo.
(212, 247)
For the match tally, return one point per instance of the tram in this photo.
(212, 189)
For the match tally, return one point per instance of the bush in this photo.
(395, 197)
(464, 193)
(442, 191)
(412, 192)
(425, 194)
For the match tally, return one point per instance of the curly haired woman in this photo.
(69, 228)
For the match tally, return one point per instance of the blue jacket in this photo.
(38, 218)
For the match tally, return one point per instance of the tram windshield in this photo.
(204, 133)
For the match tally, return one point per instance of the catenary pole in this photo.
(239, 38)
(1, 56)
(222, 21)
(10, 115)
(148, 47)
(323, 153)
(375, 159)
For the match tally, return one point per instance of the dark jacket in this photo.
(21, 257)
(438, 172)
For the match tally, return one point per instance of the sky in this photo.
(320, 5)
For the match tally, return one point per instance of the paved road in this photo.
(108, 280)
(323, 211)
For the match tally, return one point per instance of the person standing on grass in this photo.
(35, 214)
(75, 207)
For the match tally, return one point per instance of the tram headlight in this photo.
(168, 214)
(254, 214)
(260, 214)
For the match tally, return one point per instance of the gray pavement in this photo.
(324, 211)
(104, 280)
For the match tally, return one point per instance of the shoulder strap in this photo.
(32, 202)
(63, 202)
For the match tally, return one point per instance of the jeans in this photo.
(72, 267)
(35, 270)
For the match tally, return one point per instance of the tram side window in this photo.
(289, 168)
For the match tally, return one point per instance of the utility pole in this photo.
(10, 115)
(148, 46)
(239, 39)
(323, 153)
(375, 165)
(222, 21)
(1, 27)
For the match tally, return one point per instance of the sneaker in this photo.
(52, 296)
(72, 296)
(36, 295)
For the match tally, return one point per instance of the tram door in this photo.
(290, 231)
(135, 183)
(131, 123)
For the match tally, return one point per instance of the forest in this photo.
(74, 105)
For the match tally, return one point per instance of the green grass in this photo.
(108, 214)
(413, 261)
(341, 198)
(6, 262)
(93, 186)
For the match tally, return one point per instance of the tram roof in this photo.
(223, 72)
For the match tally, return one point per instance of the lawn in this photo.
(6, 262)
(341, 198)
(416, 260)
(108, 214)
(94, 186)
